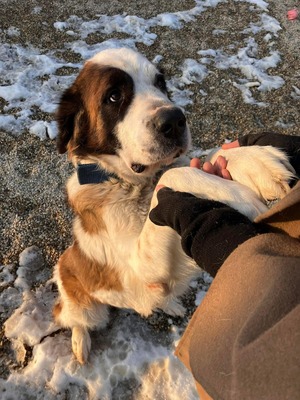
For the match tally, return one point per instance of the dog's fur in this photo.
(118, 114)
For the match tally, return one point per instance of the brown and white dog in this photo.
(120, 129)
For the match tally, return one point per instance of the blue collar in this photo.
(92, 173)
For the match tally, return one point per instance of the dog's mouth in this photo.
(139, 168)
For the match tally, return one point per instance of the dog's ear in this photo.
(71, 118)
(69, 107)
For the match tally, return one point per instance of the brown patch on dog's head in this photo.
(90, 109)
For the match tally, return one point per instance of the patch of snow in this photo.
(266, 23)
(200, 296)
(44, 129)
(37, 10)
(192, 71)
(218, 32)
(6, 275)
(13, 31)
(296, 93)
(30, 82)
(10, 299)
(247, 95)
(246, 61)
(157, 59)
(31, 265)
(281, 124)
(33, 319)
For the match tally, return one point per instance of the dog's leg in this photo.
(201, 184)
(79, 319)
(81, 341)
(78, 311)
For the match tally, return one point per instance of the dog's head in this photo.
(118, 106)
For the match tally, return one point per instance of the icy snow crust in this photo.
(128, 360)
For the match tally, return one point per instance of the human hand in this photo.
(174, 209)
(218, 168)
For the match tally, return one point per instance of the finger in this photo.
(218, 169)
(218, 166)
(221, 163)
(226, 174)
(208, 167)
(195, 163)
(231, 145)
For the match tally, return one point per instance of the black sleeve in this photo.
(289, 144)
(209, 230)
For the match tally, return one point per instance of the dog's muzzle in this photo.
(169, 123)
(170, 136)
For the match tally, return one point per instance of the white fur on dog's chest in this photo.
(123, 215)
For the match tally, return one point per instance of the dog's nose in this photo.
(170, 122)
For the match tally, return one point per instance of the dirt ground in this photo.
(32, 197)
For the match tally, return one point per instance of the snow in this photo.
(12, 31)
(124, 358)
(296, 93)
(44, 129)
(6, 277)
(250, 66)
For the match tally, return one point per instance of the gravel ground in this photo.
(32, 196)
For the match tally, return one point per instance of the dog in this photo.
(121, 132)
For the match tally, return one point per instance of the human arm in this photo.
(242, 338)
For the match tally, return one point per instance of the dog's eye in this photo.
(160, 82)
(114, 96)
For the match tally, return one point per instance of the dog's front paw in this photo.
(264, 169)
(81, 344)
